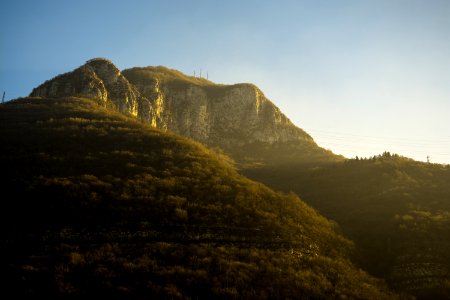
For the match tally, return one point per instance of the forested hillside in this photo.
(396, 210)
(99, 204)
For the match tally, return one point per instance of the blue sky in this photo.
(362, 77)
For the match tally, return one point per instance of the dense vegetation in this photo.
(395, 209)
(96, 203)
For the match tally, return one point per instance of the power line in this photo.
(341, 142)
(347, 135)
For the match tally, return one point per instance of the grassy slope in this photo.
(167, 75)
(102, 204)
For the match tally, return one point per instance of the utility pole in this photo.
(3, 98)
(200, 73)
(428, 159)
(207, 76)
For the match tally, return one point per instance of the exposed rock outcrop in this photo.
(101, 80)
(237, 118)
(214, 114)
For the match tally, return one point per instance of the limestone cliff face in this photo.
(98, 79)
(82, 82)
(220, 115)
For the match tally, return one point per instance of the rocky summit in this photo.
(101, 80)
(237, 118)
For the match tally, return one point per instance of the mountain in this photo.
(396, 210)
(96, 203)
(238, 118)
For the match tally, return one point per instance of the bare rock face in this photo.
(98, 79)
(220, 115)
(82, 82)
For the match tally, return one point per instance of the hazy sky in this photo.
(360, 76)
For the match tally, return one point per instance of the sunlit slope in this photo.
(96, 203)
(395, 209)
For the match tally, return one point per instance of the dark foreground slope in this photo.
(396, 210)
(96, 203)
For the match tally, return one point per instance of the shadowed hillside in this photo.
(395, 209)
(97, 203)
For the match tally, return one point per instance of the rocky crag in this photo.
(101, 80)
